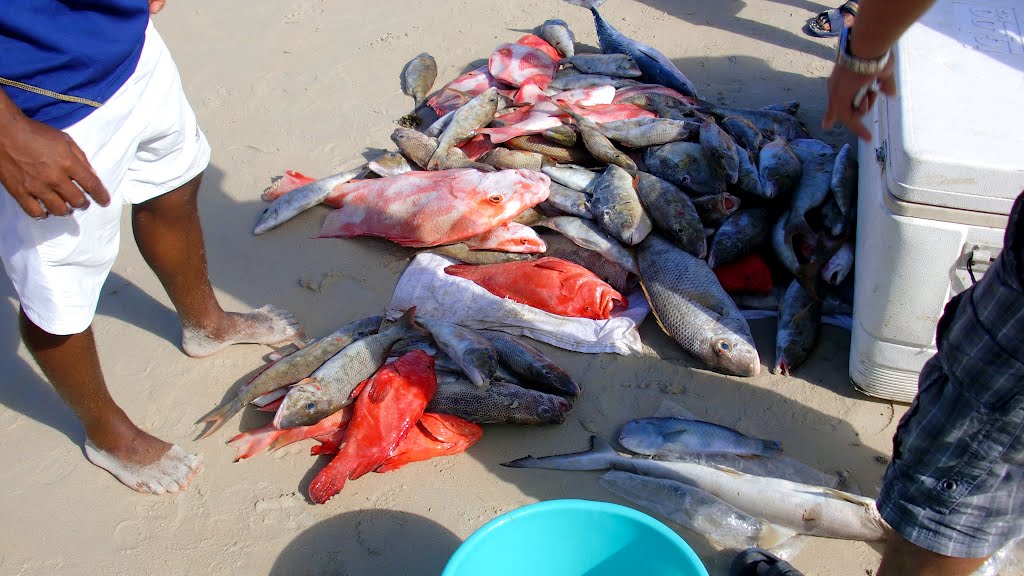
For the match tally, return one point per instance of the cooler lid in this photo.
(955, 133)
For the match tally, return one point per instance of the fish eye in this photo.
(310, 407)
(495, 198)
(724, 345)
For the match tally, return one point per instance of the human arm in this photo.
(40, 165)
(878, 25)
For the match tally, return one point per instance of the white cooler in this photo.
(936, 184)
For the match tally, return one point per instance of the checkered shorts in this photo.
(956, 482)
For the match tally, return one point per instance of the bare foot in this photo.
(147, 464)
(267, 325)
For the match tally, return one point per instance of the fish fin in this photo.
(253, 442)
(219, 416)
(677, 436)
(328, 482)
(772, 535)
(381, 386)
(851, 498)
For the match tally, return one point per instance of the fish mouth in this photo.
(782, 367)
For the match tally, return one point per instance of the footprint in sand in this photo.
(129, 536)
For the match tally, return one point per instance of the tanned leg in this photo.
(113, 442)
(169, 235)
(903, 558)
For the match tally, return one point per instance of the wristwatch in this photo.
(863, 66)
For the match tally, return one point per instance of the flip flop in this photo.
(834, 18)
(760, 562)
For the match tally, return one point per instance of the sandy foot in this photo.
(172, 472)
(267, 325)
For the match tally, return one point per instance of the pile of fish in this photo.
(380, 395)
(612, 162)
(678, 474)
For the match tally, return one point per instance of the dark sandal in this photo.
(833, 18)
(760, 562)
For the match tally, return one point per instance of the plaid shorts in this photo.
(956, 482)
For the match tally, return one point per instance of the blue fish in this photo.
(678, 438)
(656, 67)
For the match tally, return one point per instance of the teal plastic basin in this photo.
(574, 538)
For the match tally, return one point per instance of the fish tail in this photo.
(219, 416)
(253, 442)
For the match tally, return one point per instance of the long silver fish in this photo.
(330, 387)
(619, 65)
(617, 207)
(671, 438)
(691, 306)
(291, 368)
(586, 234)
(297, 201)
(468, 348)
(803, 508)
(531, 365)
(844, 179)
(500, 402)
(564, 81)
(656, 67)
(557, 33)
(772, 123)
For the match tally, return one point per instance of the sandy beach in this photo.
(313, 85)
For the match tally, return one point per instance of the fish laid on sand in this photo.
(531, 365)
(799, 323)
(418, 78)
(557, 33)
(269, 437)
(670, 438)
(296, 200)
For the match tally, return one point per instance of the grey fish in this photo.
(715, 209)
(743, 233)
(389, 164)
(330, 387)
(839, 265)
(790, 107)
(691, 306)
(587, 234)
(749, 180)
(782, 243)
(672, 212)
(498, 403)
(474, 115)
(803, 508)
(799, 323)
(506, 159)
(656, 67)
(671, 437)
(531, 365)
(614, 274)
(557, 33)
(844, 179)
(291, 368)
(568, 201)
(655, 101)
(617, 207)
(297, 201)
(563, 135)
(470, 350)
(548, 149)
(574, 177)
(415, 146)
(462, 253)
(619, 65)
(686, 165)
(644, 132)
(418, 77)
(744, 133)
(815, 182)
(779, 170)
(598, 144)
(574, 81)
(721, 149)
(772, 123)
(435, 129)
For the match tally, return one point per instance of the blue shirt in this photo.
(84, 48)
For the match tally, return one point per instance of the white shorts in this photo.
(143, 142)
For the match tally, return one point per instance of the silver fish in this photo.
(614, 274)
(470, 350)
(568, 201)
(418, 77)
(500, 402)
(782, 243)
(671, 438)
(672, 212)
(297, 201)
(531, 365)
(435, 129)
(575, 81)
(644, 132)
(329, 388)
(744, 133)
(474, 115)
(779, 170)
(617, 207)
(686, 165)
(799, 323)
(691, 306)
(803, 508)
(390, 164)
(586, 234)
(743, 233)
(557, 33)
(291, 368)
(574, 177)
(618, 65)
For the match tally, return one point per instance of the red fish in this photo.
(462, 90)
(535, 123)
(602, 113)
(434, 435)
(255, 441)
(550, 284)
(388, 407)
(512, 237)
(515, 64)
(477, 147)
(285, 184)
(432, 208)
(749, 274)
(534, 41)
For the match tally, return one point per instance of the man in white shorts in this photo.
(96, 115)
